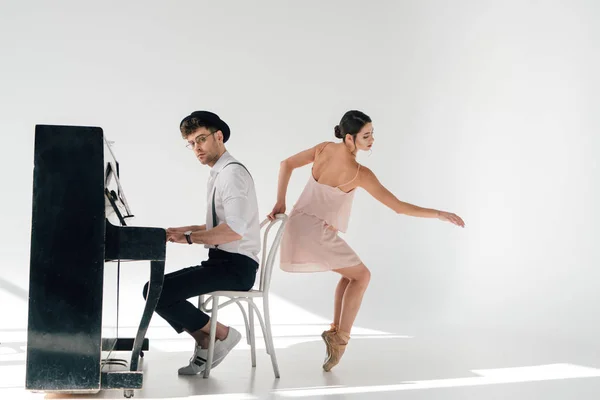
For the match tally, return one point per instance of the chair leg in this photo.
(262, 324)
(270, 336)
(200, 302)
(267, 334)
(245, 321)
(252, 336)
(213, 334)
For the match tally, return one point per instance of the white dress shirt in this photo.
(235, 204)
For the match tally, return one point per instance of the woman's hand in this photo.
(278, 209)
(450, 217)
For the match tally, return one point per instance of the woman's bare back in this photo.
(334, 166)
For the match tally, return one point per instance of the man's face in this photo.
(205, 145)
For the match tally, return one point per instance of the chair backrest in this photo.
(267, 258)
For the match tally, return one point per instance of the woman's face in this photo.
(364, 138)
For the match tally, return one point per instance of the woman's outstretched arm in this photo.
(285, 172)
(371, 184)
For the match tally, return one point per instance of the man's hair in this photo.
(191, 125)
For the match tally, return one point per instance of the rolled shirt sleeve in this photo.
(234, 193)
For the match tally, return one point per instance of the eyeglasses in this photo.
(199, 140)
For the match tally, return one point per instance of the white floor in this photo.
(377, 365)
(428, 363)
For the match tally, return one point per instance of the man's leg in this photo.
(202, 335)
(222, 271)
(181, 285)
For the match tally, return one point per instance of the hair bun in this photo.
(338, 132)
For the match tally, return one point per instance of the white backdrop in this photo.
(487, 109)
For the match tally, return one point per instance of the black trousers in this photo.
(222, 271)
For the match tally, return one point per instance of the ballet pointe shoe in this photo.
(327, 335)
(337, 348)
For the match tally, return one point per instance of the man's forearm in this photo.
(192, 228)
(219, 235)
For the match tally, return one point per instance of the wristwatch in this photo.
(188, 237)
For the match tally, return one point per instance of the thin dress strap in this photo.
(320, 151)
(355, 176)
(317, 152)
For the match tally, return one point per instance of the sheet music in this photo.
(115, 190)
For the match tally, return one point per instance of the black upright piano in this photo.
(79, 238)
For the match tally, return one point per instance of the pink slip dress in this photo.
(310, 241)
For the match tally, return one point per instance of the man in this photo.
(232, 233)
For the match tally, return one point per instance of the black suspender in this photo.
(214, 211)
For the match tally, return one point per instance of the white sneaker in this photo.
(223, 347)
(197, 362)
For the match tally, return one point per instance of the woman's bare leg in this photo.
(337, 303)
(351, 293)
(337, 313)
(358, 279)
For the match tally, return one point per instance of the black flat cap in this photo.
(211, 119)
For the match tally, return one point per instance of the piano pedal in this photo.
(128, 393)
(115, 361)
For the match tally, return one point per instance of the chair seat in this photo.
(236, 293)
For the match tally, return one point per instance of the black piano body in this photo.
(79, 237)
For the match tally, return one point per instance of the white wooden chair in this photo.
(267, 259)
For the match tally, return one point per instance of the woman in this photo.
(311, 243)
